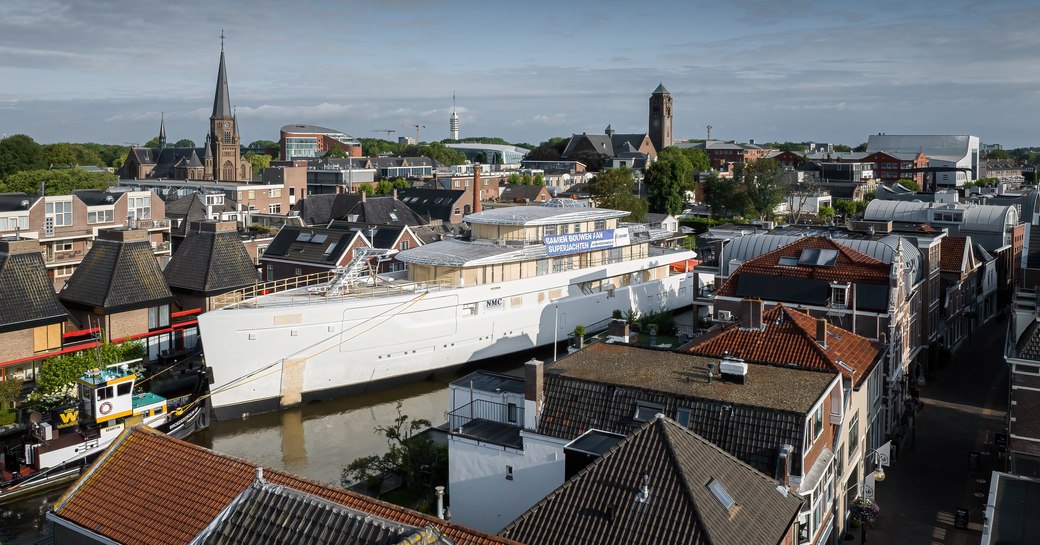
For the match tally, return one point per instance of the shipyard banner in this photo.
(578, 242)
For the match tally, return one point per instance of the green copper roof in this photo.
(661, 90)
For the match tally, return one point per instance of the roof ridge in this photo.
(662, 424)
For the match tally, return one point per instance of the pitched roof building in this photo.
(662, 484)
(212, 260)
(224, 498)
(31, 316)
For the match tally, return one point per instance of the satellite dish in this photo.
(35, 417)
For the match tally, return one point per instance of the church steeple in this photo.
(221, 99)
(162, 132)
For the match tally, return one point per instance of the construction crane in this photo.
(418, 129)
(387, 131)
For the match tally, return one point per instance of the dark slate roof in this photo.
(210, 263)
(221, 99)
(165, 160)
(274, 514)
(602, 504)
(600, 386)
(351, 208)
(297, 244)
(601, 143)
(316, 209)
(117, 276)
(433, 233)
(27, 293)
(431, 203)
(96, 197)
(13, 202)
(627, 143)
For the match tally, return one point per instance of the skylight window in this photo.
(721, 494)
(318, 239)
(646, 411)
(303, 237)
(393, 216)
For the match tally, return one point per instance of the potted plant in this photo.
(579, 333)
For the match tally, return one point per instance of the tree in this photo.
(259, 161)
(826, 213)
(539, 179)
(525, 179)
(442, 154)
(845, 207)
(998, 155)
(383, 188)
(724, 197)
(65, 154)
(401, 183)
(413, 458)
(263, 144)
(153, 143)
(842, 148)
(613, 189)
(860, 148)
(372, 147)
(18, 153)
(667, 180)
(550, 150)
(593, 161)
(58, 374)
(57, 182)
(909, 184)
(513, 179)
(764, 184)
(184, 143)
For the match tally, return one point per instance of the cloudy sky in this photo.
(798, 70)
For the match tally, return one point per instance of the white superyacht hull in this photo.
(269, 356)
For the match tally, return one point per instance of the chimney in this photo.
(123, 235)
(18, 246)
(363, 194)
(259, 473)
(821, 332)
(395, 193)
(476, 188)
(783, 465)
(751, 313)
(440, 501)
(534, 378)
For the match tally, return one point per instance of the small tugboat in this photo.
(57, 450)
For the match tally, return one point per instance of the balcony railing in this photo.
(152, 224)
(63, 257)
(481, 409)
(163, 246)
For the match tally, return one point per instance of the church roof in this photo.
(661, 90)
(221, 98)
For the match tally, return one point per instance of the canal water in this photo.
(315, 441)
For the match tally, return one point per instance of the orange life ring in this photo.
(105, 408)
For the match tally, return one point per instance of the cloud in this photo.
(552, 119)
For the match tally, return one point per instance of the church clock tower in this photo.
(223, 133)
(661, 118)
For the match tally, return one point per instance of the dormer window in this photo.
(645, 411)
(839, 295)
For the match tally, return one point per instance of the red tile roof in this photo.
(952, 254)
(849, 266)
(788, 337)
(152, 489)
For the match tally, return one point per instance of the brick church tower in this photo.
(660, 118)
(224, 141)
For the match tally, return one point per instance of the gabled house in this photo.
(609, 146)
(120, 289)
(524, 194)
(212, 260)
(830, 279)
(784, 336)
(445, 205)
(299, 251)
(227, 500)
(31, 316)
(960, 284)
(663, 484)
(774, 419)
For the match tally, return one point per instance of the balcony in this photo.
(153, 225)
(70, 256)
(488, 422)
(161, 247)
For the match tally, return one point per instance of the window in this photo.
(64, 271)
(645, 411)
(159, 316)
(270, 272)
(252, 194)
(404, 245)
(457, 211)
(550, 230)
(275, 193)
(100, 216)
(511, 412)
(853, 434)
(59, 212)
(47, 337)
(509, 473)
(274, 209)
(458, 183)
(63, 246)
(140, 207)
(541, 267)
(123, 389)
(577, 228)
(298, 271)
(818, 422)
(839, 296)
(104, 393)
(682, 416)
